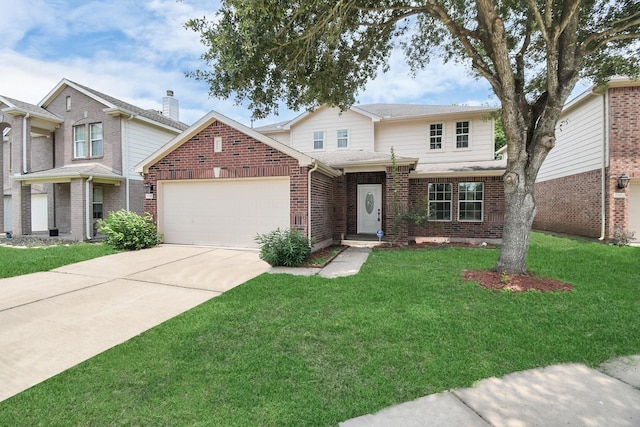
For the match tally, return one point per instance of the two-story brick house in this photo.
(579, 189)
(68, 161)
(331, 175)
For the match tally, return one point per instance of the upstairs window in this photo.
(440, 197)
(471, 201)
(87, 145)
(343, 138)
(462, 134)
(318, 140)
(80, 141)
(435, 136)
(96, 139)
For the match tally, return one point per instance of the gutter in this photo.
(316, 165)
(88, 206)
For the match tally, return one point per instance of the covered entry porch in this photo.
(77, 197)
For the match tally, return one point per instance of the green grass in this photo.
(284, 350)
(18, 261)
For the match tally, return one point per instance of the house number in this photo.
(369, 202)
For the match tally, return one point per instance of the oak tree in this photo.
(532, 53)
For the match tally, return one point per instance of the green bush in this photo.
(284, 247)
(129, 231)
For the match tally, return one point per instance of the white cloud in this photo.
(135, 51)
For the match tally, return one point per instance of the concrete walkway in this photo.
(559, 395)
(347, 263)
(54, 320)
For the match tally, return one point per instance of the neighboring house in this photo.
(68, 161)
(331, 176)
(578, 188)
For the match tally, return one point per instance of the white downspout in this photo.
(88, 209)
(315, 168)
(603, 178)
(24, 143)
(125, 161)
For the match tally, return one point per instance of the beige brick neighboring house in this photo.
(598, 141)
(68, 161)
(329, 174)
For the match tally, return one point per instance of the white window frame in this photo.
(76, 141)
(434, 191)
(467, 134)
(440, 136)
(464, 199)
(342, 138)
(92, 150)
(319, 136)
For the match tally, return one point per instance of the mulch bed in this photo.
(321, 254)
(515, 282)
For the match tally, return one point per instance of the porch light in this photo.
(148, 188)
(623, 181)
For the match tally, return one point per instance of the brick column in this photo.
(397, 198)
(78, 209)
(21, 208)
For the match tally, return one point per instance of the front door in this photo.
(369, 208)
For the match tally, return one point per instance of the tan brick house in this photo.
(68, 161)
(579, 189)
(330, 174)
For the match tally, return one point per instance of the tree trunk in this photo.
(520, 210)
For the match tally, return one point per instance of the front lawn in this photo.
(286, 350)
(17, 261)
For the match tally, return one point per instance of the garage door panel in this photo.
(222, 212)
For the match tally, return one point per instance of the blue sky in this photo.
(135, 50)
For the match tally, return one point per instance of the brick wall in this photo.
(242, 157)
(322, 200)
(490, 228)
(624, 142)
(396, 199)
(62, 195)
(81, 106)
(340, 207)
(570, 205)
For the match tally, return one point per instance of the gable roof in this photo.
(19, 107)
(213, 116)
(380, 112)
(115, 105)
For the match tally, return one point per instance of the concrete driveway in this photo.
(54, 320)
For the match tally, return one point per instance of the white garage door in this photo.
(222, 212)
(39, 215)
(634, 209)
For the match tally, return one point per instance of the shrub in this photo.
(129, 231)
(284, 247)
(622, 237)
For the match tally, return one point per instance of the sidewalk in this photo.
(559, 395)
